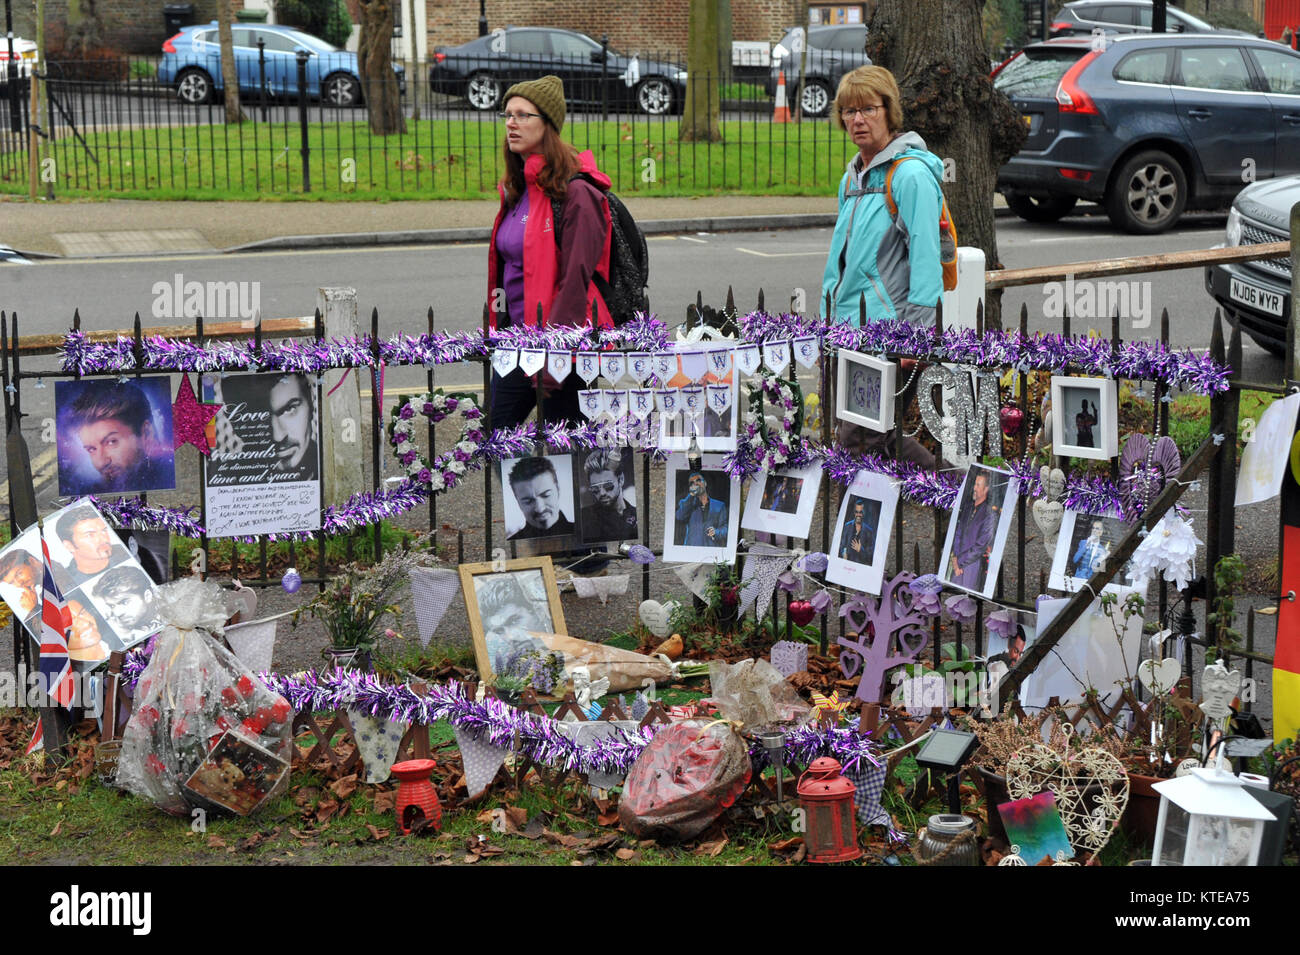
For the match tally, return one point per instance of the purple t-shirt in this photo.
(510, 246)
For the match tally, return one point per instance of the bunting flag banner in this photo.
(720, 362)
(762, 568)
(601, 587)
(532, 360)
(693, 400)
(253, 643)
(748, 358)
(432, 589)
(719, 397)
(806, 351)
(612, 366)
(616, 402)
(481, 760)
(505, 360)
(1286, 652)
(868, 784)
(695, 364)
(665, 367)
(638, 366)
(776, 355)
(559, 364)
(584, 734)
(640, 402)
(695, 577)
(669, 401)
(378, 740)
(592, 402)
(587, 365)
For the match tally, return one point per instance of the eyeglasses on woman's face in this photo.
(850, 113)
(519, 117)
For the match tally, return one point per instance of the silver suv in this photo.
(1124, 16)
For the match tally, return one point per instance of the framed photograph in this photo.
(861, 541)
(713, 427)
(605, 480)
(263, 476)
(537, 499)
(1085, 543)
(977, 534)
(508, 605)
(701, 511)
(782, 502)
(114, 436)
(1085, 417)
(864, 393)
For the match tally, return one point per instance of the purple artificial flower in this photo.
(789, 582)
(1002, 623)
(462, 456)
(820, 601)
(475, 435)
(474, 413)
(407, 412)
(452, 404)
(409, 457)
(961, 608)
(401, 437)
(450, 480)
(437, 416)
(640, 554)
(425, 476)
(815, 563)
(428, 408)
(926, 589)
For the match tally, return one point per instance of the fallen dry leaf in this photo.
(345, 787)
(627, 855)
(216, 842)
(57, 826)
(385, 801)
(712, 849)
(377, 834)
(325, 809)
(607, 819)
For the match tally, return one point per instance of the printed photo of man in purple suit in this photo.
(977, 524)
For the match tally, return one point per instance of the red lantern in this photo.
(416, 798)
(826, 798)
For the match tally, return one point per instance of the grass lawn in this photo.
(434, 159)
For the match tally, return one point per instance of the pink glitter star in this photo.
(190, 418)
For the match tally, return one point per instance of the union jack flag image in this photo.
(56, 621)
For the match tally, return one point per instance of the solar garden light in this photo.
(944, 753)
(773, 742)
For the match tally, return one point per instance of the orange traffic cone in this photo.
(781, 112)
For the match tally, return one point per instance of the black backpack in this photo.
(629, 259)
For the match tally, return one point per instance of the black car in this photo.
(1257, 295)
(1148, 125)
(1124, 16)
(484, 68)
(832, 52)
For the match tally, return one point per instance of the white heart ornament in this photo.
(1159, 676)
(656, 616)
(1047, 515)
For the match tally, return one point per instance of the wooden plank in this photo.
(1164, 262)
(271, 328)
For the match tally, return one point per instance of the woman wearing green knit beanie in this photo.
(550, 240)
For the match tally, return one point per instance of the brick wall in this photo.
(127, 26)
(661, 25)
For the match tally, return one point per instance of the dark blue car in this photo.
(191, 62)
(1148, 125)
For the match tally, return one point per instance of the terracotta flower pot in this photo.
(1139, 819)
(994, 788)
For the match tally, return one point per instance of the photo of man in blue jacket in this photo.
(701, 519)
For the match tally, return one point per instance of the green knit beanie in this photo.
(547, 94)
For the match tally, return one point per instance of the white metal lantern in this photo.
(1207, 818)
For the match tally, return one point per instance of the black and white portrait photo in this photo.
(507, 605)
(537, 497)
(606, 483)
(263, 476)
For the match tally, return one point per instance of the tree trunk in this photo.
(375, 64)
(414, 72)
(703, 94)
(935, 50)
(229, 73)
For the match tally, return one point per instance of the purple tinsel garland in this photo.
(501, 724)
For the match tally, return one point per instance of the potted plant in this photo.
(356, 603)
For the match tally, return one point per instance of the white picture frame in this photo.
(863, 569)
(682, 542)
(976, 541)
(864, 390)
(1085, 417)
(1076, 552)
(783, 501)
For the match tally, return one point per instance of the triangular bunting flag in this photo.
(432, 589)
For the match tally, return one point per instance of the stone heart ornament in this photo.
(1159, 676)
(1048, 515)
(657, 616)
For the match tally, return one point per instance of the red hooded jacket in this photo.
(560, 280)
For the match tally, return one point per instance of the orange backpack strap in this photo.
(889, 184)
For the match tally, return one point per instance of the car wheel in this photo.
(194, 86)
(816, 99)
(655, 96)
(483, 91)
(1040, 208)
(341, 90)
(1148, 194)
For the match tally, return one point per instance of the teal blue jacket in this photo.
(894, 263)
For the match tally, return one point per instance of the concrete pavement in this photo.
(132, 227)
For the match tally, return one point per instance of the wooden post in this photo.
(341, 455)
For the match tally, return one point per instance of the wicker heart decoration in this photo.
(1091, 790)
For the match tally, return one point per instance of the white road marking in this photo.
(691, 238)
(44, 462)
(780, 255)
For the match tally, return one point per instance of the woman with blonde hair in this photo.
(550, 243)
(888, 258)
